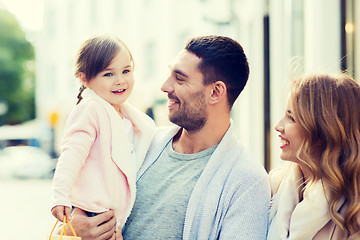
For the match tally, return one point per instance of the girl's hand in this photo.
(59, 212)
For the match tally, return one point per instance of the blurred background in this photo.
(39, 40)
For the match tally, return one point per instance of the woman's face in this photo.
(291, 135)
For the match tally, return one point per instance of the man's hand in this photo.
(118, 235)
(99, 227)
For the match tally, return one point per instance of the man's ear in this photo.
(218, 92)
(82, 78)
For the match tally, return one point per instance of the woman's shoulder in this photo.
(276, 176)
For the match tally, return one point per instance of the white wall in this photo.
(155, 30)
(320, 43)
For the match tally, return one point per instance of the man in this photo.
(197, 182)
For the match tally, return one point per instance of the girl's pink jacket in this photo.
(96, 170)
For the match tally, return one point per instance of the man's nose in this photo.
(167, 86)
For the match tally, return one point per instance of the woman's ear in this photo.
(82, 78)
(218, 92)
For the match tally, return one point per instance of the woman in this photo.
(317, 196)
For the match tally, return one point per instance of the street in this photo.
(25, 210)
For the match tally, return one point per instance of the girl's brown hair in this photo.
(95, 54)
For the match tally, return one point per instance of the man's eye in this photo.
(108, 74)
(179, 78)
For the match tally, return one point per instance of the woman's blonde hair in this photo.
(328, 108)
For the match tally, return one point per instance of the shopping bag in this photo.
(62, 235)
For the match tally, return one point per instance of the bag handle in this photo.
(63, 230)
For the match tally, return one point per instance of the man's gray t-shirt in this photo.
(163, 193)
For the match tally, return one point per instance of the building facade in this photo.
(274, 34)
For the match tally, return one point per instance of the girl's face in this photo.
(115, 83)
(291, 135)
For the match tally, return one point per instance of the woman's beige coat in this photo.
(293, 219)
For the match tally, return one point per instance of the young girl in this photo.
(105, 139)
(317, 196)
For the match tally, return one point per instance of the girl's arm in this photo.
(80, 133)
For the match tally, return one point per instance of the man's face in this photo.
(186, 92)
